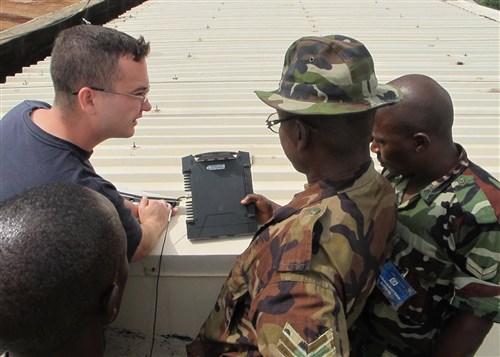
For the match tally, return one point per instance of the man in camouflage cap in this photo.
(310, 267)
(448, 236)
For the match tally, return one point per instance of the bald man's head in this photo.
(426, 107)
(407, 136)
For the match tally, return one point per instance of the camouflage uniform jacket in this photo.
(448, 241)
(307, 273)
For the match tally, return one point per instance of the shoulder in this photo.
(36, 104)
(28, 105)
(22, 109)
(94, 181)
(477, 191)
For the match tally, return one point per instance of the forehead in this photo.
(387, 124)
(135, 72)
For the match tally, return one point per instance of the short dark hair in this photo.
(87, 55)
(61, 245)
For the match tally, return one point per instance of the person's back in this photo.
(101, 85)
(309, 269)
(63, 269)
(448, 238)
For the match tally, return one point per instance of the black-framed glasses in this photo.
(143, 98)
(273, 124)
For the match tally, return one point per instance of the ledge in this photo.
(182, 257)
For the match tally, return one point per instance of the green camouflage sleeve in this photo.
(477, 281)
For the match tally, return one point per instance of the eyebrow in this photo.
(142, 89)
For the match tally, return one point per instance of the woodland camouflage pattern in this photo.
(449, 239)
(306, 275)
(328, 76)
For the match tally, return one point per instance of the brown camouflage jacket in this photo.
(306, 275)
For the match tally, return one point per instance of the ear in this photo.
(421, 142)
(303, 135)
(86, 99)
(111, 304)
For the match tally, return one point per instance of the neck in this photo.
(434, 166)
(65, 125)
(336, 168)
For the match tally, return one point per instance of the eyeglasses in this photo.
(143, 98)
(272, 124)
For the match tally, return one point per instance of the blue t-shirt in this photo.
(30, 157)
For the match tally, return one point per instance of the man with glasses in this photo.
(308, 271)
(101, 84)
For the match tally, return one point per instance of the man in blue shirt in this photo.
(101, 84)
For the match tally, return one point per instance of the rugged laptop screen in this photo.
(217, 181)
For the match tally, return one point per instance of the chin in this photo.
(129, 134)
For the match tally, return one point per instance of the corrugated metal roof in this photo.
(208, 56)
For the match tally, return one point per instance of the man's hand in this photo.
(154, 212)
(264, 207)
(153, 216)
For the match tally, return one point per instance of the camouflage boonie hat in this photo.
(327, 76)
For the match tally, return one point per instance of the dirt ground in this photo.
(15, 12)
(124, 343)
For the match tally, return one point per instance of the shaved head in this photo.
(414, 137)
(62, 248)
(426, 106)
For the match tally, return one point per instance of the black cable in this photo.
(157, 289)
(158, 278)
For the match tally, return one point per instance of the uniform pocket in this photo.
(424, 274)
(298, 238)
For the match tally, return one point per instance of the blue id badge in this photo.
(394, 286)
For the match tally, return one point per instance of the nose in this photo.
(146, 106)
(374, 147)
